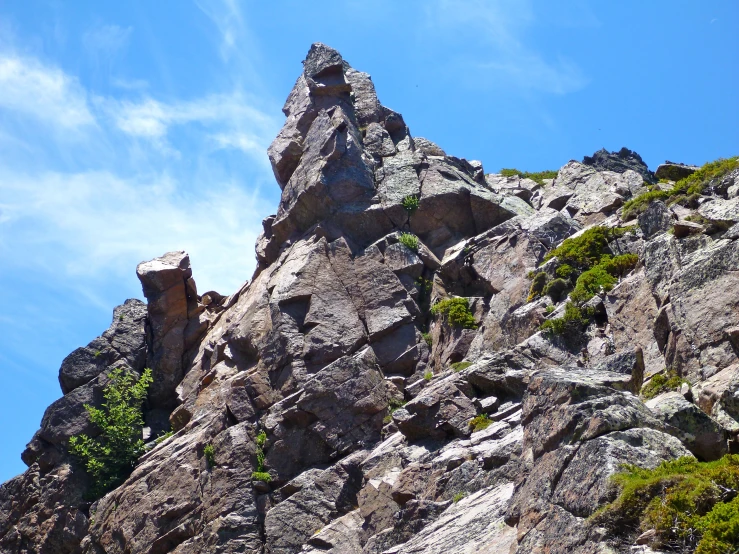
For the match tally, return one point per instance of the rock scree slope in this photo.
(387, 426)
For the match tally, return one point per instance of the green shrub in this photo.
(110, 457)
(565, 271)
(261, 476)
(459, 366)
(685, 189)
(591, 282)
(387, 419)
(586, 250)
(427, 338)
(537, 176)
(556, 288)
(395, 404)
(261, 473)
(571, 324)
(480, 422)
(410, 203)
(210, 455)
(690, 504)
(457, 312)
(459, 496)
(537, 286)
(660, 383)
(428, 376)
(635, 206)
(409, 240)
(549, 309)
(163, 437)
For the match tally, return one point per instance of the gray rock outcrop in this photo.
(325, 407)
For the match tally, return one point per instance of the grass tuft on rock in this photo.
(688, 188)
(459, 366)
(662, 383)
(693, 506)
(456, 311)
(537, 176)
(409, 240)
(480, 422)
(410, 203)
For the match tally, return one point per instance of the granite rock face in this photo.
(386, 427)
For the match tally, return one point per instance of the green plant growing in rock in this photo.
(427, 338)
(556, 288)
(395, 404)
(549, 309)
(459, 496)
(164, 436)
(537, 286)
(459, 366)
(570, 325)
(480, 422)
(210, 455)
(693, 506)
(687, 189)
(537, 176)
(662, 382)
(456, 311)
(409, 240)
(428, 376)
(261, 474)
(410, 203)
(109, 458)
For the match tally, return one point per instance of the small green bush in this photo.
(556, 288)
(571, 324)
(457, 312)
(110, 457)
(537, 286)
(586, 250)
(687, 189)
(428, 376)
(537, 176)
(210, 455)
(635, 206)
(565, 271)
(387, 419)
(395, 404)
(549, 309)
(409, 240)
(427, 338)
(261, 473)
(693, 506)
(410, 203)
(261, 476)
(662, 383)
(480, 422)
(459, 366)
(592, 282)
(163, 437)
(459, 496)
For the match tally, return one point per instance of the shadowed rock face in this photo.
(385, 428)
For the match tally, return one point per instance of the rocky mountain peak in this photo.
(426, 359)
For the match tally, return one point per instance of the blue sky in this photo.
(128, 129)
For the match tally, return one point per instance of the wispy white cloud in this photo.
(42, 92)
(89, 227)
(94, 226)
(106, 39)
(504, 58)
(228, 18)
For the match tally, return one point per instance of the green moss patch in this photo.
(456, 311)
(693, 506)
(537, 176)
(662, 383)
(480, 422)
(684, 190)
